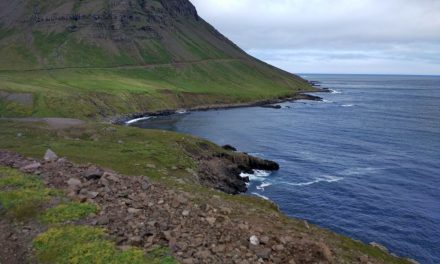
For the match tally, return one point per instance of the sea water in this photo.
(364, 162)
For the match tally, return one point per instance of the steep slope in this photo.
(101, 57)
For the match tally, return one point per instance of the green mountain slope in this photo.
(89, 58)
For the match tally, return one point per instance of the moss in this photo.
(22, 196)
(68, 212)
(84, 245)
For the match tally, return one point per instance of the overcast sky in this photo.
(333, 36)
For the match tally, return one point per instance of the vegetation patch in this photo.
(84, 245)
(68, 212)
(21, 195)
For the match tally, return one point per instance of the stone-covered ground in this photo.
(196, 228)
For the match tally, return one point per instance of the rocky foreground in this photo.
(137, 212)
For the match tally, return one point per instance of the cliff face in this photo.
(129, 31)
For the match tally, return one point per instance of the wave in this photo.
(182, 111)
(335, 91)
(137, 120)
(328, 179)
(263, 186)
(347, 105)
(257, 175)
(327, 101)
(261, 196)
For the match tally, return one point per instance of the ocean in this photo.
(365, 162)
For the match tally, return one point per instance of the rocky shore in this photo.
(262, 103)
(209, 229)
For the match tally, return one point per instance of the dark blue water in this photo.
(365, 163)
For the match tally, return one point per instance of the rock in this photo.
(50, 155)
(379, 246)
(135, 241)
(264, 240)
(263, 253)
(219, 249)
(229, 147)
(412, 261)
(134, 211)
(151, 166)
(325, 252)
(306, 224)
(31, 167)
(92, 195)
(188, 261)
(278, 248)
(110, 176)
(211, 220)
(74, 184)
(204, 254)
(103, 220)
(93, 174)
(19, 134)
(272, 106)
(185, 213)
(254, 240)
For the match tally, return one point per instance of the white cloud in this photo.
(404, 35)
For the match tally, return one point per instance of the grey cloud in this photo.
(392, 30)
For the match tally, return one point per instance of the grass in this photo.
(125, 149)
(85, 93)
(68, 212)
(84, 245)
(128, 151)
(22, 196)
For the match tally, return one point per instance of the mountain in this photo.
(90, 58)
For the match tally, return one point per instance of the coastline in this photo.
(302, 95)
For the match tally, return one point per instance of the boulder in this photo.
(50, 155)
(229, 147)
(93, 173)
(74, 184)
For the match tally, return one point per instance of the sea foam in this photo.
(328, 179)
(132, 121)
(257, 175)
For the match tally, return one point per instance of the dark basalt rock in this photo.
(222, 171)
(229, 147)
(272, 106)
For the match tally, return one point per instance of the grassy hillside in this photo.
(97, 58)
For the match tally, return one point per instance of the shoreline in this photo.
(302, 95)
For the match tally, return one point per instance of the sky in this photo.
(333, 36)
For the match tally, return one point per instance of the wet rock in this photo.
(50, 155)
(229, 147)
